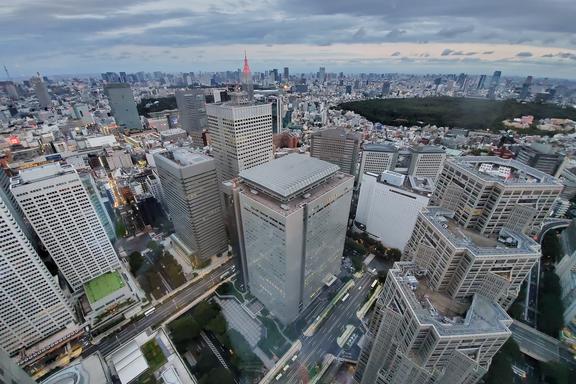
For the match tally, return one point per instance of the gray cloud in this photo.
(395, 33)
(446, 52)
(524, 54)
(361, 32)
(455, 31)
(487, 52)
(396, 54)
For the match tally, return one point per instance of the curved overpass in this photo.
(551, 224)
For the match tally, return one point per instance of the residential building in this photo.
(241, 135)
(57, 206)
(82, 112)
(489, 193)
(192, 113)
(388, 205)
(337, 146)
(377, 158)
(191, 190)
(32, 305)
(420, 336)
(123, 106)
(294, 214)
(461, 262)
(174, 135)
(41, 92)
(540, 156)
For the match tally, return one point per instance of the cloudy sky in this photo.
(520, 37)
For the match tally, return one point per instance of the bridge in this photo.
(551, 223)
(540, 346)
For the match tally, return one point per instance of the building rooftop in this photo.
(285, 177)
(374, 147)
(337, 132)
(448, 316)
(427, 149)
(42, 172)
(504, 171)
(103, 285)
(507, 242)
(184, 157)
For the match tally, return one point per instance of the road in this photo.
(163, 311)
(324, 340)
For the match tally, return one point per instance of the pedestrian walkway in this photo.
(241, 321)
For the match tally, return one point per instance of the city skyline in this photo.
(173, 35)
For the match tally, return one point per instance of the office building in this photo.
(241, 136)
(41, 92)
(99, 203)
(82, 112)
(123, 106)
(418, 335)
(377, 158)
(540, 156)
(32, 305)
(337, 146)
(247, 81)
(566, 271)
(57, 206)
(494, 82)
(190, 187)
(11, 373)
(286, 75)
(294, 216)
(489, 193)
(481, 82)
(427, 161)
(388, 205)
(322, 74)
(385, 88)
(192, 113)
(461, 261)
(525, 90)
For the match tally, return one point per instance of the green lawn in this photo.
(153, 355)
(101, 286)
(274, 342)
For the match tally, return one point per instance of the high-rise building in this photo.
(123, 106)
(57, 206)
(99, 203)
(481, 82)
(322, 74)
(488, 193)
(286, 75)
(190, 186)
(427, 161)
(41, 91)
(32, 305)
(241, 136)
(389, 203)
(11, 373)
(385, 88)
(247, 81)
(337, 146)
(377, 158)
(494, 82)
(566, 271)
(420, 336)
(294, 214)
(540, 156)
(525, 91)
(192, 113)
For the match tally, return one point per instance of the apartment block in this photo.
(337, 146)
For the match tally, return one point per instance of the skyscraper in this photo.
(55, 202)
(123, 106)
(540, 156)
(41, 91)
(488, 193)
(377, 158)
(494, 82)
(32, 306)
(337, 146)
(192, 113)
(11, 373)
(190, 186)
(322, 74)
(294, 217)
(481, 82)
(241, 136)
(525, 91)
(286, 75)
(247, 81)
(385, 88)
(427, 161)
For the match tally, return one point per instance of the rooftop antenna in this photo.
(7, 73)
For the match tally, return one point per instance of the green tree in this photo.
(550, 304)
(551, 248)
(184, 330)
(155, 247)
(556, 373)
(205, 311)
(218, 375)
(218, 324)
(120, 229)
(135, 260)
(500, 370)
(394, 254)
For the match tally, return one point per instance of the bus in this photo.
(224, 275)
(149, 311)
(345, 297)
(286, 367)
(278, 377)
(374, 284)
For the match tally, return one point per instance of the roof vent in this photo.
(306, 196)
(340, 176)
(253, 191)
(284, 207)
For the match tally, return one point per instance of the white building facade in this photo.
(55, 202)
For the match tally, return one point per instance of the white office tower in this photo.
(389, 203)
(32, 306)
(55, 202)
(241, 136)
(123, 106)
(294, 217)
(192, 113)
(377, 158)
(427, 161)
(489, 193)
(420, 336)
(41, 92)
(190, 187)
